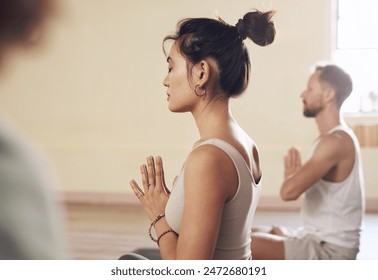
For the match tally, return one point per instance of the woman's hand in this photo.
(155, 193)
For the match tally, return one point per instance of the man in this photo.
(331, 181)
(31, 222)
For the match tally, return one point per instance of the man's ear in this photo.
(329, 94)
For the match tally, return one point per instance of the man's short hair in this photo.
(338, 79)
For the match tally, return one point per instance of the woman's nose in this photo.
(165, 81)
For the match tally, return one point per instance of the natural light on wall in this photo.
(357, 52)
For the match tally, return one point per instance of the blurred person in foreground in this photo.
(31, 225)
(331, 181)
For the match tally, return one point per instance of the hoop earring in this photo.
(199, 95)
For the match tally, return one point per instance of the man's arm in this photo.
(299, 178)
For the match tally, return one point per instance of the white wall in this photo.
(93, 98)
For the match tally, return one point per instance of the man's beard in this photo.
(311, 112)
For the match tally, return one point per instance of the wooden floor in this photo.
(107, 232)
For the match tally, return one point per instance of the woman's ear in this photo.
(202, 72)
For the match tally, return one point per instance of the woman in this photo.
(209, 213)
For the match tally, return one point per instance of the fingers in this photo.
(293, 157)
(144, 173)
(151, 172)
(288, 159)
(159, 173)
(137, 190)
(298, 159)
(160, 179)
(153, 175)
(292, 162)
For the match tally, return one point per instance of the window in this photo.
(357, 52)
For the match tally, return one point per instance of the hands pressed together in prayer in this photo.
(292, 162)
(155, 193)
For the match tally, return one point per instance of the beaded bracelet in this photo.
(158, 217)
(164, 233)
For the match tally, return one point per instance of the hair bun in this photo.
(240, 27)
(257, 26)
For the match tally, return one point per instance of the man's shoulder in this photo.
(336, 139)
(336, 143)
(334, 147)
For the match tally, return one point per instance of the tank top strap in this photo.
(339, 127)
(233, 153)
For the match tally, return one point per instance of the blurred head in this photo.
(328, 83)
(21, 21)
(336, 78)
(216, 59)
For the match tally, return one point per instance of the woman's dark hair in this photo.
(201, 38)
(20, 18)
